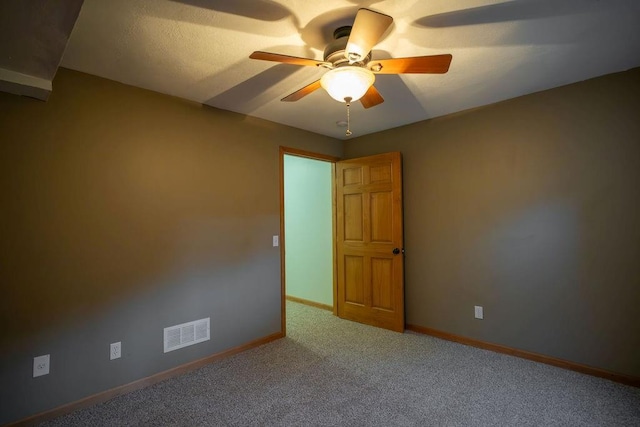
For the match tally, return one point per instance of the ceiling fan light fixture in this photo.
(347, 82)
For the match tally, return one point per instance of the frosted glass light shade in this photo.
(348, 81)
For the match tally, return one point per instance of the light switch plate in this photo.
(276, 241)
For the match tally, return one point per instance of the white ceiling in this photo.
(199, 50)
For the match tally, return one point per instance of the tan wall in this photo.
(530, 208)
(123, 212)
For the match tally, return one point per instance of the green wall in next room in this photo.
(308, 229)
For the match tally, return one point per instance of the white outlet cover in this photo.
(115, 351)
(41, 365)
(479, 312)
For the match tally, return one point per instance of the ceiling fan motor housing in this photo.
(334, 52)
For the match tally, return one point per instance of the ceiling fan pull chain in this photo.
(348, 101)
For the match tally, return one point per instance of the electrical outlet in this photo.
(41, 365)
(116, 350)
(479, 312)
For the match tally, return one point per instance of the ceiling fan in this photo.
(351, 67)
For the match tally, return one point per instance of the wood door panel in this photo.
(380, 174)
(352, 176)
(354, 279)
(381, 284)
(369, 227)
(381, 222)
(353, 217)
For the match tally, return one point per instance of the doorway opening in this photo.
(307, 229)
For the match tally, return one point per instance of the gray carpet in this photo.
(331, 372)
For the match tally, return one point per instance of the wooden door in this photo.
(369, 254)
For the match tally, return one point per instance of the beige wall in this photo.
(530, 208)
(123, 212)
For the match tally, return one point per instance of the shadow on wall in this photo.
(536, 258)
(123, 212)
(88, 224)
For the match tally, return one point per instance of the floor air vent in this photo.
(186, 334)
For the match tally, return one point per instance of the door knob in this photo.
(396, 251)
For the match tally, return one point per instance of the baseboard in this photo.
(141, 383)
(310, 303)
(561, 363)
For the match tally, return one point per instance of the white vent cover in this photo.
(186, 334)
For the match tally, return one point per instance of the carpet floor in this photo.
(332, 372)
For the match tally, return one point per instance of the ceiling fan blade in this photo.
(433, 64)
(276, 57)
(301, 93)
(367, 29)
(371, 98)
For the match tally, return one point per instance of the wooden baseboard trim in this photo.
(310, 303)
(141, 383)
(536, 357)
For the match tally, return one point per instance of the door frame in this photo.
(313, 156)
